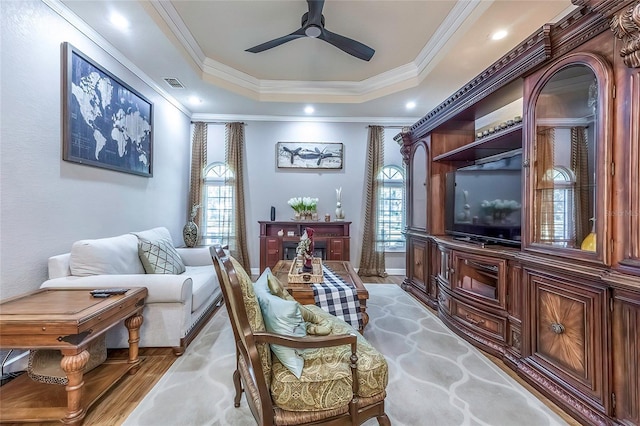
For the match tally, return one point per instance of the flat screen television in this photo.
(484, 201)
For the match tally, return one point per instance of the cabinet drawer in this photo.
(479, 320)
(482, 278)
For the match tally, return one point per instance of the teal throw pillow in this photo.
(281, 317)
(160, 257)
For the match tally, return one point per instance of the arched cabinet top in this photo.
(556, 127)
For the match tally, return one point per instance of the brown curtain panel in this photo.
(234, 154)
(545, 143)
(372, 257)
(198, 164)
(583, 198)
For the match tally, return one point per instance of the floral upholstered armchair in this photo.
(290, 376)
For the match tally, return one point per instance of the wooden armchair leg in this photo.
(383, 420)
(238, 385)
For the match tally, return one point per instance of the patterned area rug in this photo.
(435, 377)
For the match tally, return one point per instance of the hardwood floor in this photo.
(116, 405)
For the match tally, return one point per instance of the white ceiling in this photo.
(425, 50)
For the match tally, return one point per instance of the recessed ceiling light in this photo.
(194, 100)
(410, 105)
(499, 35)
(119, 21)
(309, 109)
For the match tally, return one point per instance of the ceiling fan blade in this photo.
(352, 47)
(315, 12)
(277, 41)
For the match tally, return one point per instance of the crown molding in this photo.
(102, 43)
(381, 121)
(391, 81)
(445, 32)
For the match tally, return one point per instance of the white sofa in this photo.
(177, 306)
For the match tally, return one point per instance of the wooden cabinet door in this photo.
(626, 353)
(568, 341)
(418, 271)
(273, 251)
(336, 249)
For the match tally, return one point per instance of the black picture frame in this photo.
(106, 123)
(309, 155)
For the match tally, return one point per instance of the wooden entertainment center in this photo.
(562, 310)
(331, 240)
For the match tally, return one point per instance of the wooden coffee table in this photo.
(303, 293)
(66, 320)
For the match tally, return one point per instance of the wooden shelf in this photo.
(502, 141)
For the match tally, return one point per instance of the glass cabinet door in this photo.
(419, 188)
(568, 158)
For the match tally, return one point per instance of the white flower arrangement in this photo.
(303, 204)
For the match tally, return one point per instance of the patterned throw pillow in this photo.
(160, 257)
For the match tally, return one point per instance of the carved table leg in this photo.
(73, 366)
(365, 315)
(133, 324)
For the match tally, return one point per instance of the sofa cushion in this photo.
(204, 284)
(325, 382)
(154, 234)
(105, 256)
(159, 257)
(282, 317)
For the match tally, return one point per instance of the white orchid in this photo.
(194, 211)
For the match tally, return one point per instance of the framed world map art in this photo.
(105, 122)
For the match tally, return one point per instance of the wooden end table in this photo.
(303, 293)
(66, 320)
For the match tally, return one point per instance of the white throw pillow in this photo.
(154, 234)
(105, 256)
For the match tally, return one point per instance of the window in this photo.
(391, 202)
(218, 202)
(560, 230)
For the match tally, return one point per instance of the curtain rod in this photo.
(217, 122)
(388, 127)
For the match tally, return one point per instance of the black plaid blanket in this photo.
(338, 298)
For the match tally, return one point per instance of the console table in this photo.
(66, 320)
(331, 240)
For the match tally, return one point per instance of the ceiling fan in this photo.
(313, 26)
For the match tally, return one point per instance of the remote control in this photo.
(100, 295)
(110, 291)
